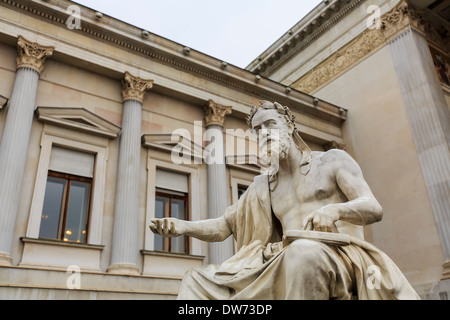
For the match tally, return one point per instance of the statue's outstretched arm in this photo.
(211, 230)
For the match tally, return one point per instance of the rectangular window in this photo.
(171, 204)
(67, 200)
(171, 201)
(241, 191)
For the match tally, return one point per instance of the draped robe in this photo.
(305, 269)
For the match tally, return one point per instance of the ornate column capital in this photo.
(32, 55)
(402, 16)
(133, 88)
(215, 113)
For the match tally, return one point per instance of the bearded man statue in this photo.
(320, 196)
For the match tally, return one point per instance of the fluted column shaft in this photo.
(218, 191)
(16, 137)
(429, 120)
(125, 248)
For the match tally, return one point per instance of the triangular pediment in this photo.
(172, 141)
(78, 119)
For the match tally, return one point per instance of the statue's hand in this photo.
(321, 220)
(167, 227)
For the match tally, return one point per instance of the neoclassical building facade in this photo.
(105, 126)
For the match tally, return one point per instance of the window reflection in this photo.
(169, 204)
(65, 214)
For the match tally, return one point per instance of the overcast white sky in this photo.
(235, 31)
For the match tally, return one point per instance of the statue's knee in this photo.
(305, 252)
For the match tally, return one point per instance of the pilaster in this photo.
(16, 136)
(429, 120)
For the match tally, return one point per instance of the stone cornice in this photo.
(32, 55)
(166, 52)
(341, 61)
(133, 88)
(307, 30)
(215, 113)
(402, 17)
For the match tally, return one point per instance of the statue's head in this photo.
(282, 112)
(274, 125)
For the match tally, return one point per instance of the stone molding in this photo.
(341, 61)
(32, 55)
(296, 41)
(78, 119)
(402, 17)
(215, 113)
(133, 88)
(164, 51)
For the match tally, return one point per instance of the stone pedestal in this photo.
(125, 248)
(218, 191)
(16, 136)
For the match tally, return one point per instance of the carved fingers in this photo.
(167, 227)
(321, 220)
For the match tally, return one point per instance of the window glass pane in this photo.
(51, 213)
(77, 212)
(178, 244)
(161, 204)
(241, 191)
(178, 211)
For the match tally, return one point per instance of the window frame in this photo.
(167, 214)
(64, 206)
(155, 161)
(82, 142)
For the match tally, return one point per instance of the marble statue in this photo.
(298, 228)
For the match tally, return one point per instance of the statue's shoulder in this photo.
(339, 161)
(333, 156)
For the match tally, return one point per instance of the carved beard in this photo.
(272, 152)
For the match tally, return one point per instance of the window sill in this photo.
(172, 255)
(62, 243)
(59, 255)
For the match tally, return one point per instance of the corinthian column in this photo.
(125, 234)
(16, 136)
(218, 192)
